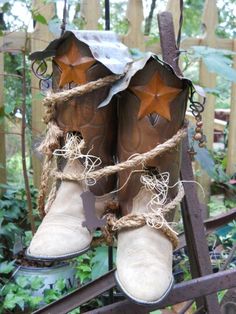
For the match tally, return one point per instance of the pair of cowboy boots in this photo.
(147, 113)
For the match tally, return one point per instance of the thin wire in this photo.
(63, 24)
(107, 15)
(181, 4)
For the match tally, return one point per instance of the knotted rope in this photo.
(50, 143)
(136, 160)
(80, 90)
(156, 207)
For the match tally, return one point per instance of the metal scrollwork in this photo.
(197, 108)
(39, 69)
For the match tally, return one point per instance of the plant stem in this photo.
(23, 145)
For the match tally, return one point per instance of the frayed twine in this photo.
(49, 144)
(157, 207)
(52, 139)
(72, 150)
(137, 159)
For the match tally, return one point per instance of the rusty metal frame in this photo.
(199, 259)
(195, 288)
(204, 284)
(181, 292)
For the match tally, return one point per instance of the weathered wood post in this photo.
(206, 79)
(91, 12)
(231, 154)
(134, 15)
(3, 172)
(39, 40)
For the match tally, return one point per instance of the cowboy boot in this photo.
(62, 233)
(150, 112)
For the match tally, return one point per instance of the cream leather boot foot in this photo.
(144, 265)
(144, 259)
(61, 234)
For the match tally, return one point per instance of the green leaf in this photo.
(39, 18)
(217, 61)
(76, 311)
(6, 267)
(27, 238)
(220, 66)
(12, 300)
(60, 284)
(36, 283)
(9, 302)
(22, 281)
(85, 268)
(35, 301)
(83, 277)
(50, 295)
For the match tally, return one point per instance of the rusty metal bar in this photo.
(199, 259)
(122, 307)
(211, 225)
(80, 295)
(184, 291)
(169, 49)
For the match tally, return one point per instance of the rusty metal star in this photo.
(73, 66)
(155, 96)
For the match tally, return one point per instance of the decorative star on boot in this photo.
(155, 96)
(73, 66)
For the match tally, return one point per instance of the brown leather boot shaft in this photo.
(96, 126)
(141, 135)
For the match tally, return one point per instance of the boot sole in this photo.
(142, 302)
(54, 258)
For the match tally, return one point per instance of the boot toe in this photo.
(144, 265)
(145, 285)
(58, 240)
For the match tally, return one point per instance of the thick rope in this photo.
(152, 219)
(50, 143)
(52, 139)
(44, 184)
(79, 90)
(137, 159)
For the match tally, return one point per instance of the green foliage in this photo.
(76, 311)
(13, 86)
(192, 17)
(54, 294)
(218, 61)
(227, 25)
(17, 294)
(84, 267)
(6, 267)
(100, 261)
(93, 264)
(38, 17)
(13, 218)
